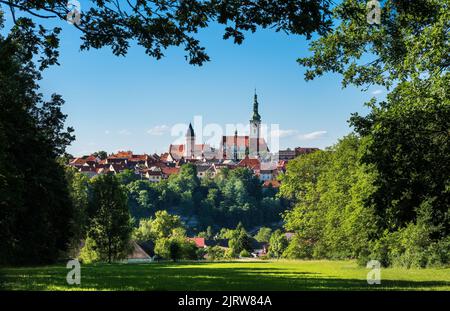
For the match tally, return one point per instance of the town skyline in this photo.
(212, 141)
(277, 137)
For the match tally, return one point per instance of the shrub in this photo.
(438, 253)
(409, 247)
(162, 248)
(200, 253)
(244, 254)
(215, 253)
(88, 253)
(229, 254)
(189, 250)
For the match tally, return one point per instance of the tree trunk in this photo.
(109, 250)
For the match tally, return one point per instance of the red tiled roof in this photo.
(91, 158)
(123, 154)
(199, 242)
(129, 156)
(170, 170)
(77, 161)
(253, 164)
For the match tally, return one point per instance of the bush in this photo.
(410, 247)
(409, 251)
(438, 253)
(89, 253)
(176, 248)
(162, 248)
(215, 253)
(244, 254)
(189, 250)
(229, 254)
(200, 253)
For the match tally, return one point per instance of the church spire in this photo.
(256, 116)
(190, 131)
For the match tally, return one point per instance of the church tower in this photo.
(190, 143)
(255, 128)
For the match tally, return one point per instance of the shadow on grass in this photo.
(195, 276)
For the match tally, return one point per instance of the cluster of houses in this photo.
(155, 168)
(144, 251)
(235, 151)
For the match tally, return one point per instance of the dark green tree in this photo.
(175, 250)
(36, 212)
(78, 184)
(208, 234)
(240, 240)
(263, 234)
(164, 224)
(408, 133)
(277, 244)
(109, 218)
(330, 189)
(408, 143)
(127, 176)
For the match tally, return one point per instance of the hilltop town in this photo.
(235, 151)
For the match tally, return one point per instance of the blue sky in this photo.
(131, 103)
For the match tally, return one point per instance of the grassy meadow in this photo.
(235, 275)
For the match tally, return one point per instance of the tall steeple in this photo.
(190, 131)
(255, 128)
(190, 143)
(256, 116)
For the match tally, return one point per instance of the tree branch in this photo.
(20, 7)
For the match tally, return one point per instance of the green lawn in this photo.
(236, 275)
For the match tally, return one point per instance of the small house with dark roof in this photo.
(138, 254)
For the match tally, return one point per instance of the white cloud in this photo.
(107, 132)
(377, 92)
(124, 132)
(158, 130)
(312, 135)
(283, 133)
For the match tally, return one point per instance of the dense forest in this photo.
(335, 215)
(232, 197)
